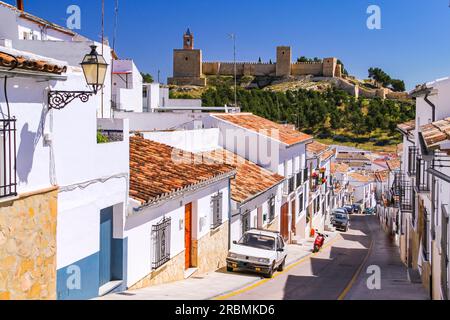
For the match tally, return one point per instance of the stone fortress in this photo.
(190, 69)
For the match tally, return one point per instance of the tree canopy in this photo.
(147, 77)
(385, 80)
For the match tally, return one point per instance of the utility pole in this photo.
(233, 37)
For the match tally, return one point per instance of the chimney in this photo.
(19, 4)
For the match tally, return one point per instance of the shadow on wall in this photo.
(25, 154)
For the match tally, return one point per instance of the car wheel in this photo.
(271, 271)
(230, 269)
(282, 265)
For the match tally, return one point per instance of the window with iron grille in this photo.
(161, 243)
(301, 202)
(271, 209)
(299, 179)
(305, 175)
(412, 155)
(426, 235)
(216, 204)
(422, 176)
(8, 182)
(291, 184)
(245, 222)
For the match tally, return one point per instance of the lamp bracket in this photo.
(60, 99)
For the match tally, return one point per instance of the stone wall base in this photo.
(210, 252)
(274, 225)
(28, 246)
(172, 271)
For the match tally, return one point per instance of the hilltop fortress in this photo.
(190, 69)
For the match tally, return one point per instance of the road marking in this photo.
(288, 268)
(356, 275)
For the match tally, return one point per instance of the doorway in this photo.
(294, 218)
(106, 236)
(284, 228)
(188, 236)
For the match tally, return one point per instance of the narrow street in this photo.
(339, 271)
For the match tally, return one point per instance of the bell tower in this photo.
(188, 40)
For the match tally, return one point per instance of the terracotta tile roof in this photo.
(316, 148)
(435, 133)
(393, 164)
(407, 126)
(265, 127)
(17, 61)
(154, 174)
(354, 176)
(250, 179)
(382, 176)
(339, 167)
(351, 156)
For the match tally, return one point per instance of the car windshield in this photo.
(258, 241)
(340, 216)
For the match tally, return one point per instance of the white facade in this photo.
(126, 86)
(157, 97)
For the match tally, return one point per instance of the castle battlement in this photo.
(189, 67)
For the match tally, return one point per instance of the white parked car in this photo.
(261, 251)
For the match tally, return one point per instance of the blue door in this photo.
(106, 233)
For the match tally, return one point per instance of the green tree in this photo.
(147, 77)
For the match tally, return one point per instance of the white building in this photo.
(319, 160)
(177, 223)
(276, 148)
(363, 189)
(126, 86)
(157, 98)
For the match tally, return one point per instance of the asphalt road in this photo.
(339, 271)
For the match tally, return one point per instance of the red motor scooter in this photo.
(320, 240)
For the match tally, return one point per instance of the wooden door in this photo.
(294, 216)
(284, 228)
(188, 235)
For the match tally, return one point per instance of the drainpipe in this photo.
(433, 107)
(20, 5)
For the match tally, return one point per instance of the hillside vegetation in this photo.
(331, 115)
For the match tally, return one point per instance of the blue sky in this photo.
(413, 44)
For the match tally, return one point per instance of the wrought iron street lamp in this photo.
(94, 68)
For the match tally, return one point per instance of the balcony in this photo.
(412, 156)
(422, 175)
(8, 182)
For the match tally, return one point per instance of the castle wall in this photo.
(242, 69)
(307, 68)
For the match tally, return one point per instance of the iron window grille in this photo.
(8, 180)
(305, 175)
(426, 235)
(412, 156)
(291, 185)
(422, 175)
(299, 179)
(216, 204)
(271, 209)
(161, 243)
(407, 197)
(245, 222)
(301, 202)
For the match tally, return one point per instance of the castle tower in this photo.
(188, 40)
(284, 60)
(187, 64)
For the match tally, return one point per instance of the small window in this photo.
(161, 243)
(216, 204)
(271, 209)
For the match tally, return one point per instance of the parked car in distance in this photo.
(341, 222)
(357, 208)
(261, 251)
(349, 208)
(370, 211)
(338, 210)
